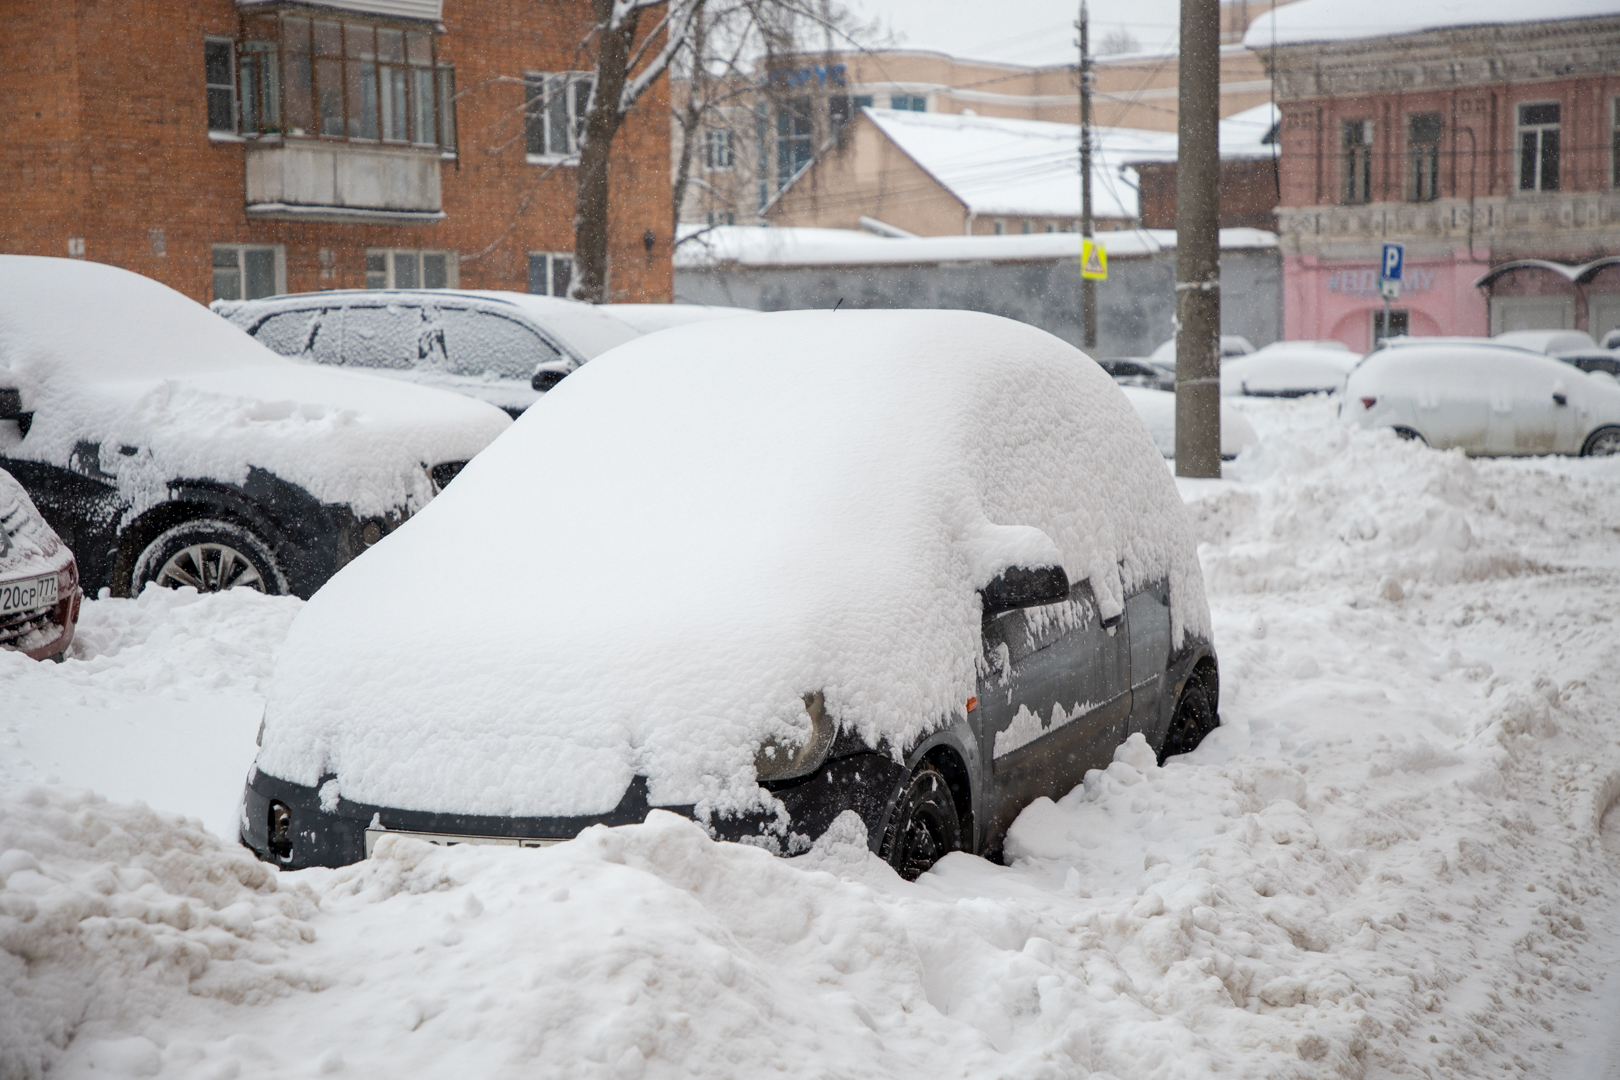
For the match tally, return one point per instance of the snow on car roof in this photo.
(1333, 20)
(653, 566)
(115, 359)
(1288, 367)
(650, 318)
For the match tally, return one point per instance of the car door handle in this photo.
(1560, 399)
(1110, 624)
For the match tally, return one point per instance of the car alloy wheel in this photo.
(925, 827)
(1604, 442)
(209, 555)
(1194, 718)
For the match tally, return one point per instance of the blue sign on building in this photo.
(1394, 257)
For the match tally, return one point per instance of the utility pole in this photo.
(1088, 287)
(1198, 266)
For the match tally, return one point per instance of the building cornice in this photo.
(1446, 59)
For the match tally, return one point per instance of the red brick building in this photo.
(239, 147)
(1491, 152)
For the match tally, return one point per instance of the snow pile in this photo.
(716, 521)
(109, 914)
(1308, 514)
(159, 388)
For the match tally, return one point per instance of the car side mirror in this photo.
(546, 378)
(1022, 587)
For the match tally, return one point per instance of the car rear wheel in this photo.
(210, 555)
(1604, 442)
(1194, 718)
(925, 827)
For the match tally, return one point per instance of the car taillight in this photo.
(1368, 402)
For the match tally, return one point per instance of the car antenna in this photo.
(840, 301)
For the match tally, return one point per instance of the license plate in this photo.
(451, 839)
(27, 594)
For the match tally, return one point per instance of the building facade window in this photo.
(1614, 144)
(999, 227)
(795, 139)
(1358, 138)
(219, 66)
(908, 102)
(717, 150)
(722, 217)
(556, 104)
(248, 271)
(1394, 323)
(407, 268)
(551, 273)
(1539, 132)
(1423, 145)
(334, 79)
(862, 101)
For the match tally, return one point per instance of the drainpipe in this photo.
(967, 229)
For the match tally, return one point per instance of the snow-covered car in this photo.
(1611, 340)
(1594, 359)
(505, 348)
(1488, 399)
(1551, 342)
(1288, 369)
(1157, 408)
(1130, 371)
(1231, 345)
(39, 579)
(922, 566)
(164, 445)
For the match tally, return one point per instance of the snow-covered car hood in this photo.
(28, 546)
(1287, 370)
(697, 529)
(165, 389)
(1157, 408)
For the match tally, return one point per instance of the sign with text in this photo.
(1093, 260)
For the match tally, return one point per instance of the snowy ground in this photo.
(1389, 861)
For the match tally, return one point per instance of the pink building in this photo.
(1492, 153)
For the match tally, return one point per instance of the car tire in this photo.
(925, 826)
(210, 555)
(1604, 442)
(1408, 435)
(1194, 718)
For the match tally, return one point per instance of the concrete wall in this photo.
(1136, 304)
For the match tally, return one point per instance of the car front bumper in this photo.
(316, 836)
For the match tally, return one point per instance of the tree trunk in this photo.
(601, 125)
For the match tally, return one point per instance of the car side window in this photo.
(387, 336)
(290, 333)
(486, 343)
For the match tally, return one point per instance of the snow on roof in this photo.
(1334, 20)
(746, 245)
(696, 529)
(1244, 134)
(110, 358)
(1027, 168)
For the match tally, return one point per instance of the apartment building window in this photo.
(405, 268)
(722, 217)
(1358, 137)
(1423, 144)
(1538, 147)
(999, 228)
(551, 273)
(1614, 159)
(908, 102)
(862, 101)
(795, 135)
(717, 150)
(219, 66)
(554, 112)
(248, 271)
(341, 80)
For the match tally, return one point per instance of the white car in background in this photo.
(1289, 369)
(1231, 345)
(505, 348)
(1486, 399)
(1157, 408)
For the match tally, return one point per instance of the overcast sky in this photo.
(1017, 31)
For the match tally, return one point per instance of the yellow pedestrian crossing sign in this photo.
(1093, 260)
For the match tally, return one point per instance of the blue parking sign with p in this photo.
(1394, 255)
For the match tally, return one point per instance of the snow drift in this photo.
(700, 527)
